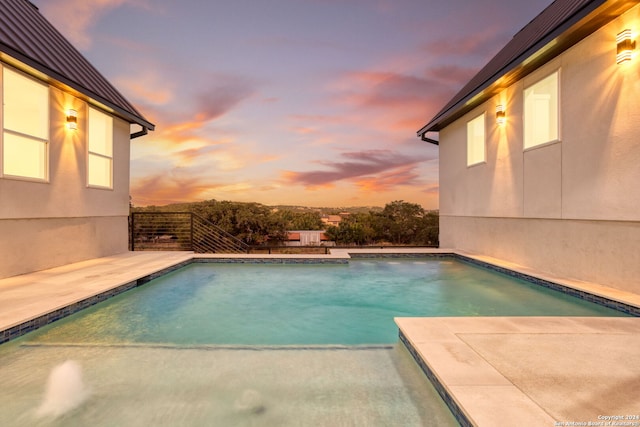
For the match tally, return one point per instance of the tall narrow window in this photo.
(475, 141)
(541, 112)
(100, 150)
(25, 133)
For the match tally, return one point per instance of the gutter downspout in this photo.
(429, 140)
(142, 132)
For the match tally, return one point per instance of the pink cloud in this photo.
(432, 189)
(221, 95)
(317, 118)
(304, 130)
(389, 89)
(398, 102)
(390, 180)
(214, 99)
(358, 166)
(481, 44)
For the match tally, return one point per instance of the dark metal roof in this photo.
(26, 36)
(564, 22)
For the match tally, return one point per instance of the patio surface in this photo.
(542, 371)
(534, 371)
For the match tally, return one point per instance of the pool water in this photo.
(147, 385)
(257, 345)
(348, 304)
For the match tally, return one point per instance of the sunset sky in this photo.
(301, 102)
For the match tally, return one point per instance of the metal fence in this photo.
(180, 231)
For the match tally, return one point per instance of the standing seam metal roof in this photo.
(547, 26)
(27, 36)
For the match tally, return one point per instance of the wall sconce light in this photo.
(500, 115)
(625, 46)
(72, 119)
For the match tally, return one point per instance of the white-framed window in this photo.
(99, 149)
(541, 112)
(25, 127)
(476, 143)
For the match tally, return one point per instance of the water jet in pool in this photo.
(64, 392)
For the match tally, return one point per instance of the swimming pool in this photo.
(257, 345)
(348, 304)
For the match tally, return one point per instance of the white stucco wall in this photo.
(44, 225)
(604, 252)
(36, 244)
(571, 207)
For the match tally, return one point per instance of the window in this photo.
(25, 133)
(475, 141)
(541, 112)
(100, 150)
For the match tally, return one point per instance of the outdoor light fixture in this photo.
(626, 45)
(500, 115)
(72, 119)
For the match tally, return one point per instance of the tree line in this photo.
(398, 223)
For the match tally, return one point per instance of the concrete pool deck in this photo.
(499, 371)
(532, 371)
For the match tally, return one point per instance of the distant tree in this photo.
(399, 222)
(277, 229)
(251, 223)
(356, 229)
(306, 221)
(347, 233)
(428, 230)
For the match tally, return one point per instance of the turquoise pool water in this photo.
(255, 304)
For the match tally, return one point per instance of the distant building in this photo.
(308, 238)
(334, 220)
(64, 149)
(540, 151)
(331, 220)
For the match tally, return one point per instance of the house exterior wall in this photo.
(570, 208)
(44, 225)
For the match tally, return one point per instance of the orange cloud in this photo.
(183, 131)
(165, 188)
(181, 186)
(304, 130)
(148, 87)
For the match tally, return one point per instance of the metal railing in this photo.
(180, 231)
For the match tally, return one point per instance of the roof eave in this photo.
(579, 26)
(64, 81)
